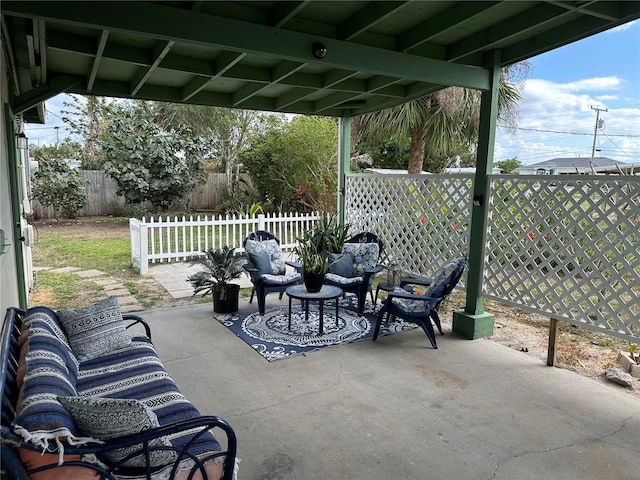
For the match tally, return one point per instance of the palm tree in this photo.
(441, 123)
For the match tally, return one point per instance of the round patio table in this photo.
(327, 292)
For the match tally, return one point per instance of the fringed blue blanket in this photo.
(134, 372)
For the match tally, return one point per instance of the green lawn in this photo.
(110, 255)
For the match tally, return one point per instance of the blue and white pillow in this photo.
(272, 248)
(365, 256)
(109, 418)
(95, 330)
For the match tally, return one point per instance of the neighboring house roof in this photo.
(496, 170)
(571, 163)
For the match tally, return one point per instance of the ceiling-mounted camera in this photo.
(318, 49)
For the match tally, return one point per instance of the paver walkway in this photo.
(112, 286)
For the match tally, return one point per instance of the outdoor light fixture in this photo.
(23, 143)
(318, 49)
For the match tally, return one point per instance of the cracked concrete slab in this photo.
(396, 408)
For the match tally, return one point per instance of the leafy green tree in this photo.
(226, 130)
(68, 149)
(87, 117)
(55, 183)
(389, 153)
(508, 165)
(294, 164)
(147, 162)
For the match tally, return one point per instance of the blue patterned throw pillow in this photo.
(95, 330)
(341, 264)
(365, 256)
(109, 418)
(262, 262)
(272, 248)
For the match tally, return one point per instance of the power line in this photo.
(572, 133)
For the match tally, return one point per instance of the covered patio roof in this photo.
(335, 58)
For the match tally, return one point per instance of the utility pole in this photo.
(595, 131)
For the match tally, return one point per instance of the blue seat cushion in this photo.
(338, 279)
(281, 279)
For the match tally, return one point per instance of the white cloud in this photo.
(558, 120)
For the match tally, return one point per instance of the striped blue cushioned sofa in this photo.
(42, 437)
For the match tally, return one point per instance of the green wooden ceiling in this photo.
(258, 54)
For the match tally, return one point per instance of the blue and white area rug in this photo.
(269, 334)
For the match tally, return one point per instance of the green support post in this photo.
(16, 207)
(344, 157)
(473, 322)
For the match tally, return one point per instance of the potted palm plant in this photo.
(221, 265)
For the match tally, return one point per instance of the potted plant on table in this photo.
(315, 264)
(314, 248)
(221, 265)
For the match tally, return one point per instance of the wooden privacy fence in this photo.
(101, 194)
(170, 240)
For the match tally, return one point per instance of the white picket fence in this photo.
(173, 240)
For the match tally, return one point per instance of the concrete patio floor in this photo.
(397, 409)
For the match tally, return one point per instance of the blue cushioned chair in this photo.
(417, 301)
(267, 268)
(356, 266)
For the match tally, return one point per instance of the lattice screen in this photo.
(567, 248)
(423, 220)
(564, 246)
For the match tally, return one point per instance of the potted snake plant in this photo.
(221, 265)
(315, 245)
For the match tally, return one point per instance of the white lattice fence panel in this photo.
(423, 220)
(568, 247)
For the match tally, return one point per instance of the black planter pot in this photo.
(313, 281)
(225, 300)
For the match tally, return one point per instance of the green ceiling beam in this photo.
(336, 76)
(331, 101)
(168, 22)
(227, 60)
(194, 86)
(159, 52)
(224, 65)
(44, 92)
(97, 59)
(516, 26)
(366, 18)
(551, 39)
(609, 11)
(450, 18)
(293, 96)
(285, 11)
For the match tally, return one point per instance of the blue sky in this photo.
(556, 118)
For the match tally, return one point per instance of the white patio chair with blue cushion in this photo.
(267, 268)
(354, 268)
(417, 301)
